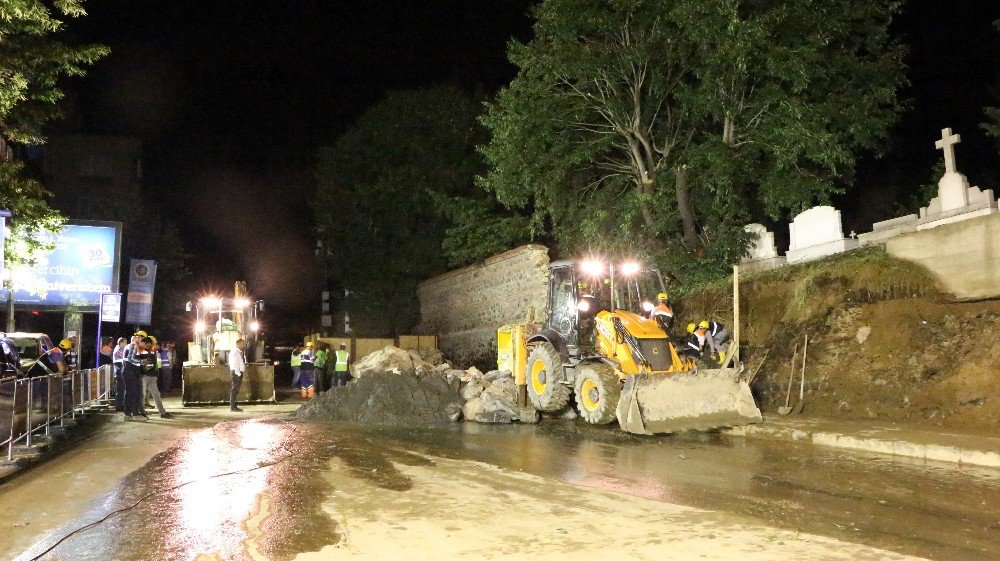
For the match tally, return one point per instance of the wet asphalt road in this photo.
(202, 499)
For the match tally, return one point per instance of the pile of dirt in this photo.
(884, 344)
(399, 361)
(389, 399)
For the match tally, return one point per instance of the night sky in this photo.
(233, 97)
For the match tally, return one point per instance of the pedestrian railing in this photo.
(33, 407)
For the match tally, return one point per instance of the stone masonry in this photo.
(466, 306)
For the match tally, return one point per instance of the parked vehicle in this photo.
(30, 347)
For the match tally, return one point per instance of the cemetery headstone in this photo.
(762, 253)
(816, 233)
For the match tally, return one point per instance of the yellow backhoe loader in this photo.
(221, 321)
(598, 344)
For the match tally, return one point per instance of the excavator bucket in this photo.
(695, 400)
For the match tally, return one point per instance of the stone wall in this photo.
(963, 256)
(466, 306)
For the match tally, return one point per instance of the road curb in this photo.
(934, 452)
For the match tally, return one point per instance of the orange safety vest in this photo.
(661, 309)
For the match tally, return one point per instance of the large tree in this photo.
(32, 62)
(396, 203)
(664, 125)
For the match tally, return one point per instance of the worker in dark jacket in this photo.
(662, 313)
(307, 370)
(694, 345)
(139, 360)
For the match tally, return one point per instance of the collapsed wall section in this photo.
(466, 306)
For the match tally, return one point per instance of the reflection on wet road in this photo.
(229, 492)
(255, 489)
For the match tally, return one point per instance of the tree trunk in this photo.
(644, 209)
(684, 208)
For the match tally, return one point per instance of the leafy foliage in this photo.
(662, 126)
(31, 64)
(395, 189)
(31, 216)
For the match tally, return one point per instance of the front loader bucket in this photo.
(696, 400)
(210, 384)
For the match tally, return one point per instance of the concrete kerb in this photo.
(881, 445)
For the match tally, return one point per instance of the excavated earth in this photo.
(884, 343)
(388, 399)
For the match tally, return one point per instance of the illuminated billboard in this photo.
(83, 265)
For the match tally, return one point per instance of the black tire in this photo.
(545, 372)
(598, 389)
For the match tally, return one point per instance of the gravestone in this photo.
(816, 233)
(956, 200)
(762, 254)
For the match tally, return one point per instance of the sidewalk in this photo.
(102, 422)
(881, 438)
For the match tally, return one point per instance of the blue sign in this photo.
(141, 281)
(111, 307)
(83, 265)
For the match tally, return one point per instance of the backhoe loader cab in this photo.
(598, 344)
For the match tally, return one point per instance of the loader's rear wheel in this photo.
(598, 388)
(545, 371)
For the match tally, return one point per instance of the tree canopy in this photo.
(32, 62)
(396, 203)
(663, 126)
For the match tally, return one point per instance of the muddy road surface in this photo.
(276, 489)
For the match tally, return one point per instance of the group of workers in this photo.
(706, 340)
(312, 370)
(138, 365)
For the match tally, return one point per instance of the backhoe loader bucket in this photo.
(696, 400)
(205, 384)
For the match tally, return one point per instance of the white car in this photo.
(30, 346)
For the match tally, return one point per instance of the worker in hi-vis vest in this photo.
(341, 374)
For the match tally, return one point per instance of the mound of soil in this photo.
(883, 344)
(388, 399)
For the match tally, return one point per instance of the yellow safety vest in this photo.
(342, 357)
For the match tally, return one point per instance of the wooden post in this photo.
(736, 314)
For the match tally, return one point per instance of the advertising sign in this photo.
(141, 281)
(83, 264)
(111, 307)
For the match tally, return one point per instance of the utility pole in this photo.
(5, 273)
(6, 155)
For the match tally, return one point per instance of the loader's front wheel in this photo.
(598, 389)
(545, 372)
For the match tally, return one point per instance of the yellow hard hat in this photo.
(309, 344)
(141, 333)
(153, 338)
(661, 296)
(690, 328)
(703, 324)
(65, 344)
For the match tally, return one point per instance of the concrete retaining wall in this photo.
(963, 256)
(466, 306)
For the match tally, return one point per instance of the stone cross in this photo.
(947, 143)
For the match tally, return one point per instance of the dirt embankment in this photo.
(883, 342)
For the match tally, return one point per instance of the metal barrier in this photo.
(33, 406)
